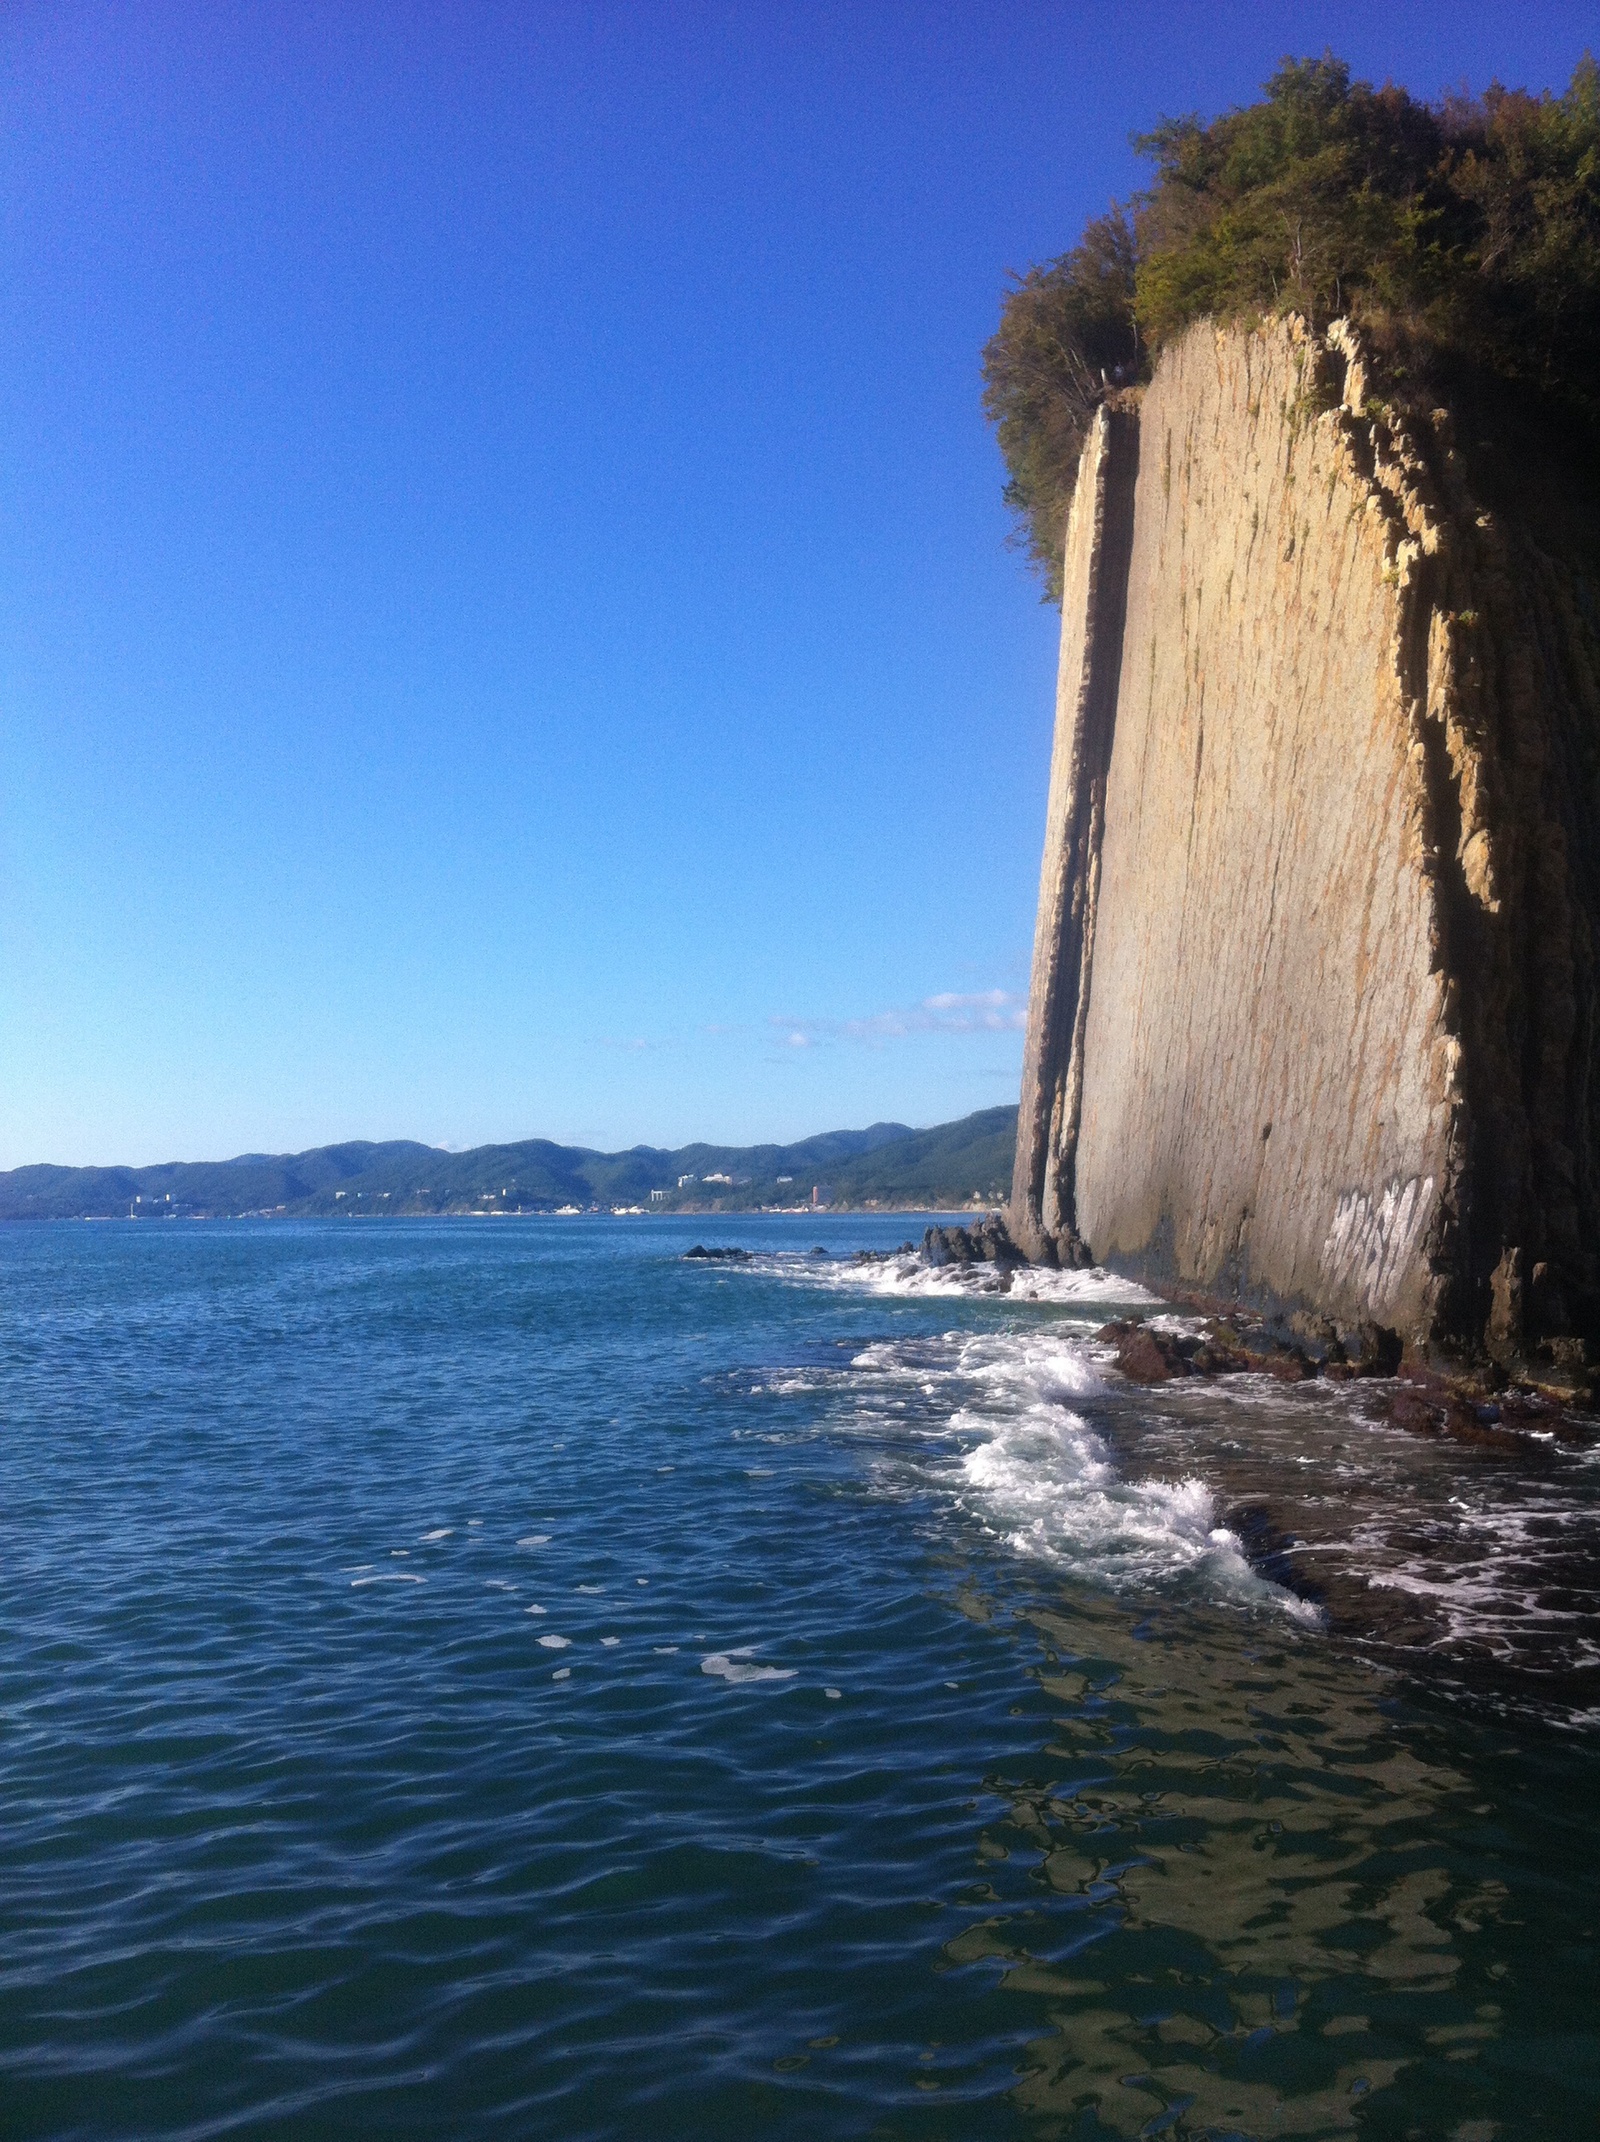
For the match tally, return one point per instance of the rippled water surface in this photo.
(501, 1678)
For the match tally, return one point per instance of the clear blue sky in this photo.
(505, 622)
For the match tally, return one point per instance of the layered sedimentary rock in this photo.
(1314, 1003)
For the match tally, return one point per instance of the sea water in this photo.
(506, 1678)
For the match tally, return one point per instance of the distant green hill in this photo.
(886, 1165)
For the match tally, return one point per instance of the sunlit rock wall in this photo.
(1313, 1007)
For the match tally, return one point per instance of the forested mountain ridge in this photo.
(885, 1165)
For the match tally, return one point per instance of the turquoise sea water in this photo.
(469, 1679)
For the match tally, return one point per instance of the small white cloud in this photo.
(983, 1002)
(984, 1011)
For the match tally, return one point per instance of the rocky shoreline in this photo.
(1494, 1402)
(1189, 1335)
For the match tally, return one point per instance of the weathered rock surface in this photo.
(1314, 1017)
(986, 1243)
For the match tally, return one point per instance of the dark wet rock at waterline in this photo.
(989, 1242)
(1461, 1409)
(1146, 1355)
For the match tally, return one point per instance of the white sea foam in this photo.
(1047, 1487)
(1094, 1289)
(441, 1532)
(736, 1667)
(534, 1539)
(1484, 1572)
(388, 1576)
(1001, 1412)
(908, 1275)
(1007, 1423)
(556, 1643)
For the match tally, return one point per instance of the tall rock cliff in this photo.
(1315, 1012)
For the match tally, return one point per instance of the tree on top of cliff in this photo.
(1464, 236)
(1067, 333)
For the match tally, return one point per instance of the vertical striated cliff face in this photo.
(1099, 536)
(1313, 1015)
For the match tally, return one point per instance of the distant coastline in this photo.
(886, 1168)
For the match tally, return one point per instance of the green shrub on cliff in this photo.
(1068, 332)
(1465, 236)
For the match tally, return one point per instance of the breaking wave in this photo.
(1475, 1566)
(910, 1278)
(994, 1423)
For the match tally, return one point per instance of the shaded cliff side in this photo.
(1313, 1014)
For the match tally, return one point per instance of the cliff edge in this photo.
(1313, 1019)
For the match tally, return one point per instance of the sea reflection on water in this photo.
(1254, 1900)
